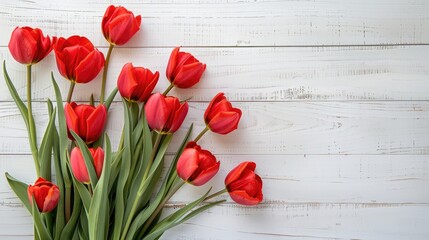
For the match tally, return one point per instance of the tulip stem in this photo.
(68, 202)
(201, 134)
(216, 194)
(106, 66)
(168, 89)
(31, 125)
(70, 94)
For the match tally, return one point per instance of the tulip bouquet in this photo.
(87, 190)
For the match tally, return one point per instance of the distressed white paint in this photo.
(339, 132)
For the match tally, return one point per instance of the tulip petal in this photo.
(89, 68)
(51, 199)
(243, 198)
(98, 157)
(189, 75)
(95, 123)
(127, 81)
(224, 122)
(78, 166)
(172, 63)
(219, 97)
(157, 112)
(206, 174)
(187, 163)
(235, 173)
(179, 117)
(71, 118)
(22, 45)
(122, 28)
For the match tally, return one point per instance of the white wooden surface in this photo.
(335, 96)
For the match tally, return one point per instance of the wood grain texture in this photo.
(262, 74)
(334, 97)
(234, 23)
(398, 127)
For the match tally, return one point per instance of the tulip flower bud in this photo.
(243, 185)
(119, 25)
(78, 166)
(183, 69)
(165, 114)
(85, 120)
(77, 59)
(45, 194)
(29, 46)
(197, 166)
(136, 83)
(220, 116)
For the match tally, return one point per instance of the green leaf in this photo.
(144, 214)
(63, 136)
(121, 188)
(21, 106)
(70, 228)
(109, 100)
(87, 157)
(45, 150)
(99, 209)
(20, 190)
(114, 169)
(156, 233)
(38, 223)
(60, 220)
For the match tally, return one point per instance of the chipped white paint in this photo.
(339, 130)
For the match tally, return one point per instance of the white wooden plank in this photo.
(261, 74)
(376, 179)
(295, 178)
(398, 127)
(233, 23)
(318, 221)
(285, 221)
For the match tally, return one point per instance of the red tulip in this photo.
(77, 59)
(220, 116)
(78, 165)
(85, 120)
(136, 83)
(119, 25)
(45, 194)
(183, 69)
(165, 114)
(197, 166)
(243, 185)
(29, 46)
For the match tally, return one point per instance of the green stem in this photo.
(71, 88)
(216, 194)
(168, 89)
(161, 205)
(68, 202)
(153, 154)
(106, 66)
(31, 124)
(201, 134)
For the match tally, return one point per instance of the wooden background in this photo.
(335, 100)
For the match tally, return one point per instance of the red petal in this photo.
(187, 163)
(224, 122)
(235, 173)
(172, 63)
(127, 82)
(219, 97)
